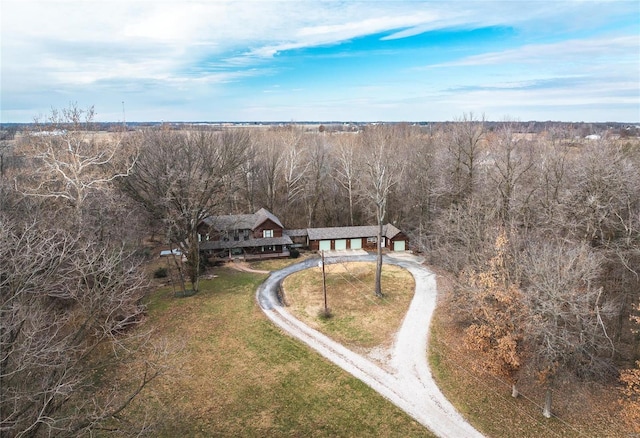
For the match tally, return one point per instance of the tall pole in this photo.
(324, 285)
(124, 118)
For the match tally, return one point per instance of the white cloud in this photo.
(585, 51)
(76, 45)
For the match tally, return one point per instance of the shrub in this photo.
(160, 273)
(294, 253)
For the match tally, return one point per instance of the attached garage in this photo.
(341, 244)
(399, 245)
(356, 238)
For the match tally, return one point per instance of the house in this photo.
(361, 237)
(262, 235)
(255, 235)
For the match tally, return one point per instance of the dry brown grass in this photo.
(581, 409)
(359, 319)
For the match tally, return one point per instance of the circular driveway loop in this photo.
(408, 384)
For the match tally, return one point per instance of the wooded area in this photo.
(540, 230)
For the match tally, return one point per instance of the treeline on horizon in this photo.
(9, 130)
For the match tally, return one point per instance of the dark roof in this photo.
(303, 232)
(263, 214)
(342, 232)
(249, 243)
(231, 222)
(241, 221)
(389, 231)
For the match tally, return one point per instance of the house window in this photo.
(267, 233)
(267, 248)
(245, 234)
(372, 239)
(236, 235)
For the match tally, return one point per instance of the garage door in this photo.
(356, 243)
(399, 245)
(325, 245)
(341, 244)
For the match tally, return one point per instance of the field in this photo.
(234, 374)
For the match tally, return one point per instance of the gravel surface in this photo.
(406, 378)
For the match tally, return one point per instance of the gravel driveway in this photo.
(406, 379)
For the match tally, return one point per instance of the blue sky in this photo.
(298, 60)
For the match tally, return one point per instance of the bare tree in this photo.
(381, 173)
(604, 188)
(67, 312)
(512, 160)
(464, 144)
(346, 168)
(71, 161)
(295, 167)
(315, 176)
(270, 167)
(180, 177)
(249, 175)
(423, 186)
(552, 163)
(567, 312)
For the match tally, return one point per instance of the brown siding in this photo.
(267, 225)
(314, 245)
(368, 245)
(396, 238)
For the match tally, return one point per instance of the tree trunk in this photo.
(514, 391)
(350, 205)
(379, 261)
(193, 259)
(178, 261)
(547, 404)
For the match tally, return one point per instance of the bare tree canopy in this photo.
(70, 285)
(61, 300)
(566, 312)
(180, 178)
(72, 161)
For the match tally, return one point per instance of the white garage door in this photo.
(356, 243)
(325, 245)
(341, 244)
(399, 245)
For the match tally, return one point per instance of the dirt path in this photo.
(242, 266)
(408, 382)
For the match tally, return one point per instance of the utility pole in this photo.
(124, 118)
(324, 285)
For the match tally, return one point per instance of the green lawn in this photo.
(234, 374)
